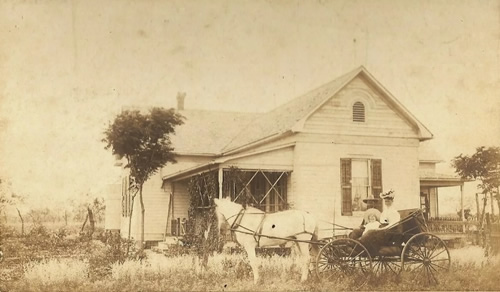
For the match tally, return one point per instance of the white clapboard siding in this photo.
(181, 199)
(316, 176)
(335, 116)
(156, 205)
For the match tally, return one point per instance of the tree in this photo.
(8, 197)
(482, 166)
(144, 141)
(94, 212)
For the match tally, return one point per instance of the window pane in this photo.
(360, 184)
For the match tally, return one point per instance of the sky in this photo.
(67, 67)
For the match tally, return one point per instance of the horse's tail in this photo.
(314, 242)
(315, 235)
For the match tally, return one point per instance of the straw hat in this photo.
(371, 211)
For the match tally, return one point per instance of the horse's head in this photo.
(226, 210)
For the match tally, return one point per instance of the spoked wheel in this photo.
(386, 265)
(344, 261)
(424, 257)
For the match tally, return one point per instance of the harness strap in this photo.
(238, 218)
(258, 232)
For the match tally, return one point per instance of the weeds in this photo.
(56, 272)
(103, 266)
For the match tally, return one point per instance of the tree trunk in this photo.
(481, 223)
(478, 213)
(485, 201)
(22, 222)
(91, 221)
(498, 203)
(84, 223)
(143, 211)
(492, 205)
(130, 222)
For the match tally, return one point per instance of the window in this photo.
(359, 179)
(265, 190)
(358, 112)
(360, 184)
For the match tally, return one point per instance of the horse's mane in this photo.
(250, 209)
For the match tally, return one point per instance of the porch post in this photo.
(221, 178)
(462, 204)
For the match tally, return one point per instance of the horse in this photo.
(254, 228)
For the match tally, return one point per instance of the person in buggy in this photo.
(374, 220)
(390, 215)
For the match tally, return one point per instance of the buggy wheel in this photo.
(424, 257)
(344, 261)
(388, 265)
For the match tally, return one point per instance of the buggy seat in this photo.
(390, 241)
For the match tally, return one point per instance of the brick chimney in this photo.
(180, 100)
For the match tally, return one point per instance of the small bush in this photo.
(110, 250)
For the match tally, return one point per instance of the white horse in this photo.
(254, 228)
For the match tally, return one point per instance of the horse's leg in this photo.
(305, 258)
(250, 249)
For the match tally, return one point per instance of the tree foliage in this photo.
(484, 165)
(143, 139)
(98, 209)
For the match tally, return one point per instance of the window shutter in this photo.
(345, 181)
(376, 168)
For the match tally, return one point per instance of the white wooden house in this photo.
(323, 152)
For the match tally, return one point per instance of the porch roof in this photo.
(185, 173)
(212, 165)
(433, 179)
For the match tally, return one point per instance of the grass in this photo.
(56, 271)
(470, 270)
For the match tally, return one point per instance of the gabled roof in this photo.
(207, 132)
(283, 118)
(218, 133)
(292, 115)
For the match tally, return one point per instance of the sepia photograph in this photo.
(249, 145)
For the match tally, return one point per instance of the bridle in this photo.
(237, 220)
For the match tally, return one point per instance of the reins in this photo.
(257, 234)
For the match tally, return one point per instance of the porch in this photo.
(447, 228)
(265, 189)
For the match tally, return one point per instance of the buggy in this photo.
(403, 247)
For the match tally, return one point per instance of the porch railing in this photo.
(450, 228)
